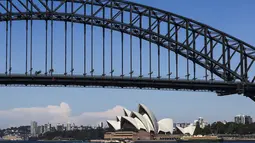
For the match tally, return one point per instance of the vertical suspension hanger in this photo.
(72, 42)
(211, 55)
(122, 46)
(31, 40)
(205, 45)
(224, 56)
(169, 46)
(26, 40)
(150, 46)
(131, 41)
(111, 15)
(194, 48)
(10, 52)
(141, 46)
(46, 41)
(6, 40)
(52, 70)
(159, 76)
(103, 43)
(85, 41)
(187, 52)
(176, 54)
(65, 39)
(92, 38)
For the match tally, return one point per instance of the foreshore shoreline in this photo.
(140, 141)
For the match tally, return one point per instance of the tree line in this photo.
(86, 134)
(226, 128)
(22, 130)
(98, 133)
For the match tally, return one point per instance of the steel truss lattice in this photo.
(177, 34)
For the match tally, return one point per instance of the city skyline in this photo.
(37, 129)
(62, 115)
(183, 106)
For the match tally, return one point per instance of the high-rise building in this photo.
(33, 129)
(47, 127)
(238, 119)
(248, 120)
(60, 127)
(68, 126)
(40, 129)
(243, 119)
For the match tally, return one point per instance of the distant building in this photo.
(201, 122)
(239, 119)
(47, 128)
(60, 127)
(68, 126)
(53, 129)
(100, 125)
(243, 119)
(74, 128)
(248, 120)
(182, 125)
(40, 129)
(33, 129)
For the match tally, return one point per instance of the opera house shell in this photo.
(143, 120)
(187, 130)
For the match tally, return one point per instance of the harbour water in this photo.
(135, 142)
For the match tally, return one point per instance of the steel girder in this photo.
(122, 27)
(120, 82)
(204, 56)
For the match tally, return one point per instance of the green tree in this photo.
(206, 130)
(198, 130)
(218, 128)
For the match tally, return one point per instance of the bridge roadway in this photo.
(220, 87)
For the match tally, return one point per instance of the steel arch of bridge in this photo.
(233, 63)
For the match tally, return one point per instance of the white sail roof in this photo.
(188, 130)
(149, 124)
(114, 124)
(144, 119)
(142, 109)
(118, 118)
(141, 118)
(166, 125)
(129, 120)
(140, 124)
(126, 112)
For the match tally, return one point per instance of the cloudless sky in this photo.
(235, 17)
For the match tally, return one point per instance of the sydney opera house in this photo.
(143, 120)
(143, 125)
(140, 125)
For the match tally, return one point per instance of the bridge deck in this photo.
(122, 82)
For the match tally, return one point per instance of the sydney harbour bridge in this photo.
(120, 44)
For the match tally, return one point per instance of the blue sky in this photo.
(235, 17)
